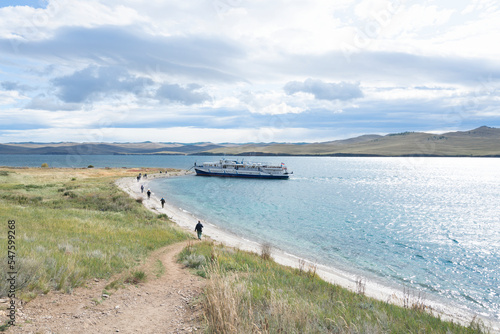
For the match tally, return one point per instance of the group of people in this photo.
(145, 176)
(162, 200)
(199, 226)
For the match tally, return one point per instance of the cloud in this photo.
(270, 103)
(198, 57)
(95, 82)
(186, 95)
(324, 90)
(8, 99)
(44, 102)
(398, 68)
(14, 86)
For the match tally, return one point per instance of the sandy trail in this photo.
(163, 304)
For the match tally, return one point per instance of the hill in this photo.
(481, 142)
(105, 148)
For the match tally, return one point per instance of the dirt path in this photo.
(163, 304)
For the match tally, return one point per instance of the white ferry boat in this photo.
(233, 168)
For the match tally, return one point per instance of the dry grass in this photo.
(360, 285)
(248, 294)
(265, 251)
(75, 224)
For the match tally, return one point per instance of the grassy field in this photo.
(73, 225)
(250, 293)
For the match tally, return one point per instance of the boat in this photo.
(234, 168)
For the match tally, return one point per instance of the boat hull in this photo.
(200, 172)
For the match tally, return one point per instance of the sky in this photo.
(245, 71)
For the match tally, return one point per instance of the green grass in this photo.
(137, 277)
(247, 293)
(72, 225)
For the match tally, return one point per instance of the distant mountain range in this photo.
(480, 142)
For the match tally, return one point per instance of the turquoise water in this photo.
(430, 224)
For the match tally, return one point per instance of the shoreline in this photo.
(332, 275)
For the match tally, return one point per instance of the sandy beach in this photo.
(352, 282)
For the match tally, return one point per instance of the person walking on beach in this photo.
(198, 229)
(142, 188)
(162, 202)
(149, 193)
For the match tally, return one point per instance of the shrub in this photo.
(137, 277)
(45, 165)
(90, 166)
(28, 269)
(266, 251)
(70, 194)
(194, 261)
(22, 199)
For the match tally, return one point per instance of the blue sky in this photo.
(30, 3)
(245, 71)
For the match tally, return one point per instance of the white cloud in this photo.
(270, 103)
(281, 108)
(482, 6)
(400, 94)
(16, 117)
(325, 90)
(10, 97)
(30, 24)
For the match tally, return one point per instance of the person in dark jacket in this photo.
(149, 193)
(198, 229)
(162, 202)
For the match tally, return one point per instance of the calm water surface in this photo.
(82, 161)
